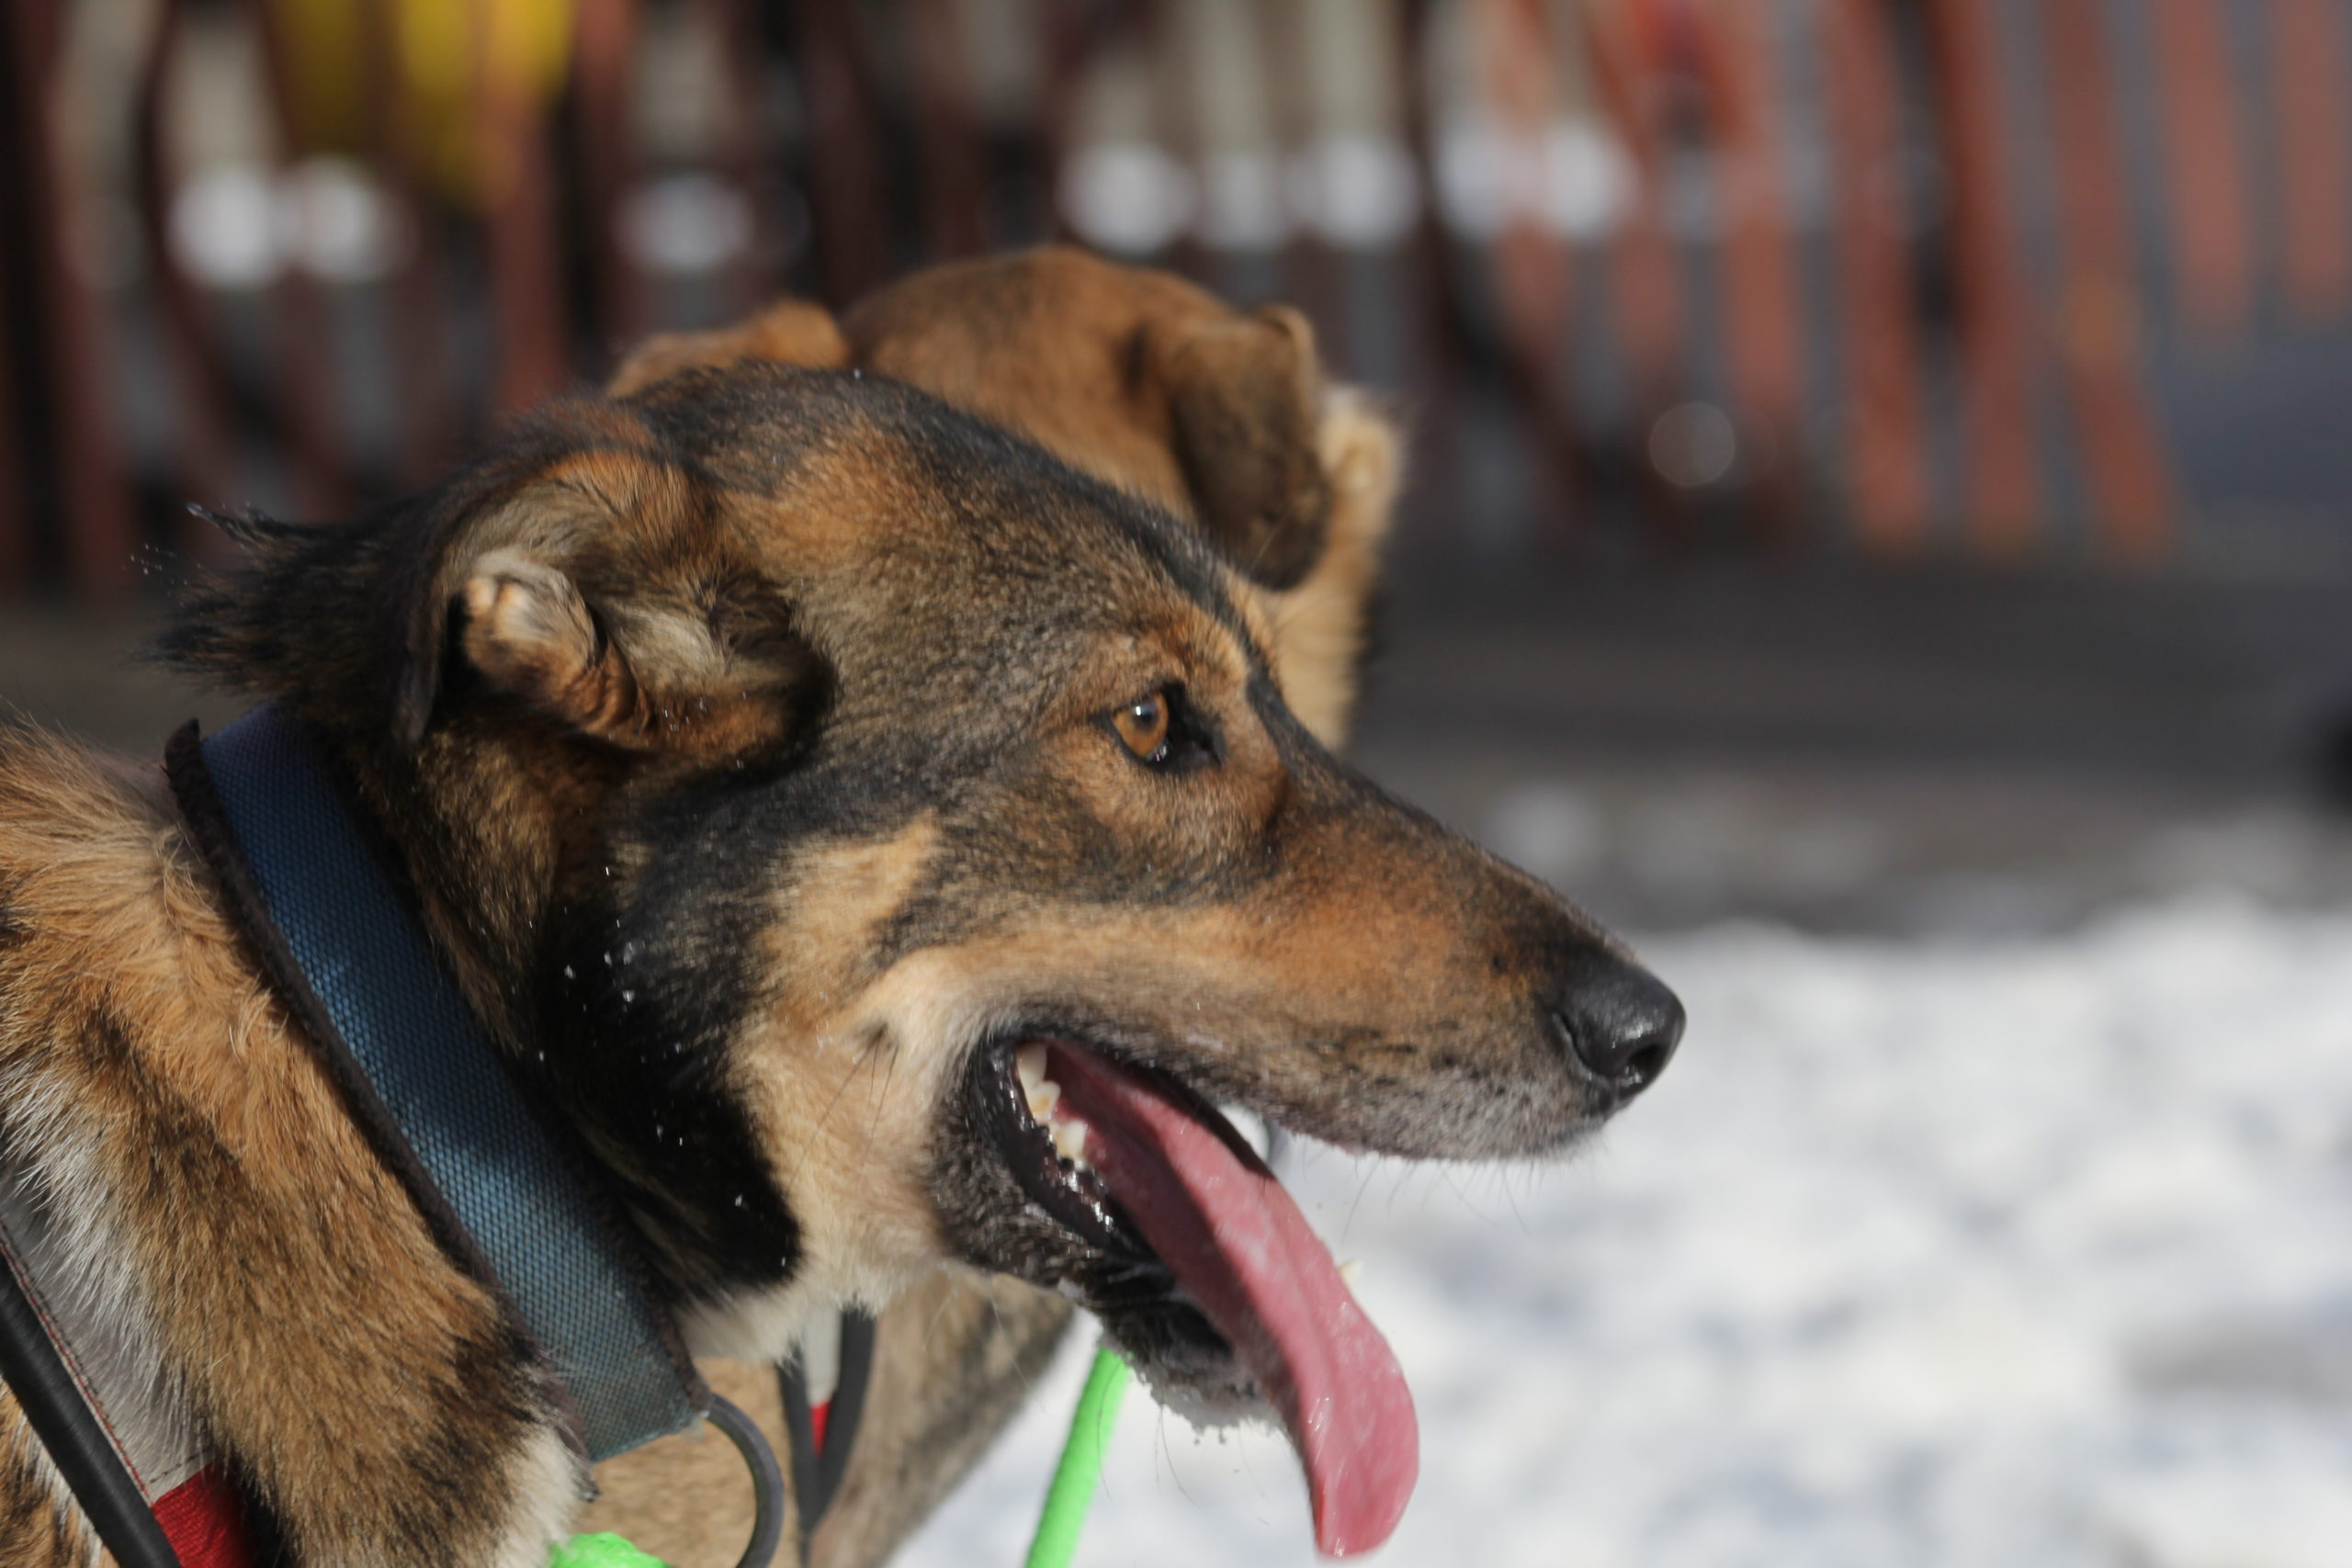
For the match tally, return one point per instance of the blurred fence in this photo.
(1868, 275)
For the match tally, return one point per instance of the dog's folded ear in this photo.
(1134, 376)
(1220, 415)
(790, 331)
(1317, 626)
(1296, 481)
(1223, 416)
(656, 648)
(1244, 395)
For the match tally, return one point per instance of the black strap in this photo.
(77, 1445)
(510, 1203)
(767, 1482)
(817, 1470)
(35, 1371)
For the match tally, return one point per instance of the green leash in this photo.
(605, 1551)
(1072, 1493)
(1066, 1501)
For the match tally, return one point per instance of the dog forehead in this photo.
(921, 547)
(905, 502)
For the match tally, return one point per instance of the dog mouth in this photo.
(1143, 1170)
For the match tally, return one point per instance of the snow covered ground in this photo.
(1924, 1254)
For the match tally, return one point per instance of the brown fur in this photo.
(35, 1532)
(1046, 343)
(130, 1001)
(1157, 386)
(747, 741)
(790, 331)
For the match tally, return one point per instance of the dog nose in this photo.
(1621, 1021)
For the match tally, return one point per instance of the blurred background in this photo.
(1881, 531)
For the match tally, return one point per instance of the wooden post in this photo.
(70, 382)
(519, 218)
(2213, 232)
(420, 360)
(1169, 31)
(1311, 269)
(1073, 32)
(2002, 487)
(1646, 262)
(948, 130)
(1764, 322)
(743, 155)
(203, 392)
(302, 353)
(2314, 155)
(15, 502)
(1534, 270)
(603, 66)
(1886, 464)
(310, 409)
(844, 163)
(2098, 315)
(1438, 337)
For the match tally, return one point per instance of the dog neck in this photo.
(507, 1203)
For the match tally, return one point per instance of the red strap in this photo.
(817, 1413)
(205, 1520)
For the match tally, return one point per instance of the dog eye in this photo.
(1143, 726)
(1161, 731)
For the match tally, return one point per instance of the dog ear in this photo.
(654, 649)
(647, 675)
(1318, 627)
(790, 331)
(1244, 395)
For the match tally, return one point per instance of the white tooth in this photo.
(1069, 1138)
(1030, 1061)
(1043, 1095)
(1350, 1271)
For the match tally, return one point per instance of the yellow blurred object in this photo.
(462, 69)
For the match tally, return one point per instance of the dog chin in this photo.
(1209, 1399)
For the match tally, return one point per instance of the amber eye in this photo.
(1143, 726)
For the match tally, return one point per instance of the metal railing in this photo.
(1871, 275)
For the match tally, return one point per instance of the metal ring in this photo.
(768, 1481)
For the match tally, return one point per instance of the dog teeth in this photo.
(1069, 1140)
(1350, 1271)
(1045, 1097)
(1042, 1092)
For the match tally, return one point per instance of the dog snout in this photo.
(1618, 1019)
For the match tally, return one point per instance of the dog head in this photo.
(891, 843)
(1223, 418)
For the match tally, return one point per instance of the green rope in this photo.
(1066, 1501)
(1080, 1470)
(601, 1552)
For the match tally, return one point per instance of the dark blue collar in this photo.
(511, 1198)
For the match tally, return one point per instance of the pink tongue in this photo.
(1242, 1250)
